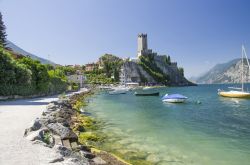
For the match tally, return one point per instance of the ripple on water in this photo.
(214, 132)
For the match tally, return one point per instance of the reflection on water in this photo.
(206, 130)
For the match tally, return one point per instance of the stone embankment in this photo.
(54, 130)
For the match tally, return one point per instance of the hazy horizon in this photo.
(196, 34)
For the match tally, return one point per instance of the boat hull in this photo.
(174, 100)
(118, 91)
(234, 94)
(147, 94)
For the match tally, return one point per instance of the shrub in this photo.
(28, 77)
(148, 64)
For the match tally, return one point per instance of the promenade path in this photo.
(15, 117)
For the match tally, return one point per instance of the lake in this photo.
(206, 130)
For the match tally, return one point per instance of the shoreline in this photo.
(110, 142)
(64, 129)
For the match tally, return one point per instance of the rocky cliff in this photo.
(229, 72)
(176, 77)
(134, 72)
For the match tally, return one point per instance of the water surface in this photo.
(217, 131)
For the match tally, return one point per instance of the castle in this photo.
(132, 72)
(142, 43)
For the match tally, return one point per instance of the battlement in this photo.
(142, 35)
(173, 64)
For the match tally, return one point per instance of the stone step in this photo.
(58, 140)
(66, 143)
(74, 145)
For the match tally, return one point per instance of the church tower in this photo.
(142, 44)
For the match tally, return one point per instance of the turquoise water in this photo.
(215, 132)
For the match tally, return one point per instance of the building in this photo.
(134, 59)
(142, 45)
(90, 67)
(122, 75)
(77, 78)
(99, 64)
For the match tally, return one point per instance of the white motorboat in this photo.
(119, 90)
(174, 98)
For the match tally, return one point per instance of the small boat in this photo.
(147, 88)
(174, 98)
(106, 88)
(238, 92)
(147, 94)
(234, 94)
(119, 90)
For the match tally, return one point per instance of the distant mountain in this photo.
(229, 72)
(19, 50)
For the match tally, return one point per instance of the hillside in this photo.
(154, 69)
(19, 50)
(229, 72)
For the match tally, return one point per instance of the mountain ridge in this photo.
(19, 50)
(229, 72)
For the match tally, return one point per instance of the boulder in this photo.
(88, 155)
(62, 150)
(51, 110)
(36, 125)
(58, 159)
(47, 120)
(36, 135)
(62, 131)
(98, 160)
(84, 148)
(75, 161)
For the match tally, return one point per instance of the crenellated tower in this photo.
(142, 44)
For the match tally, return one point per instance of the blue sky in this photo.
(196, 33)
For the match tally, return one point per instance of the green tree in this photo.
(149, 65)
(181, 70)
(7, 67)
(15, 78)
(111, 65)
(2, 32)
(40, 77)
(168, 60)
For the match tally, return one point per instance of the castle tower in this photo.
(142, 44)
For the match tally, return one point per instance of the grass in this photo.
(46, 137)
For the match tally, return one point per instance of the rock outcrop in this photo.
(172, 70)
(132, 71)
(135, 72)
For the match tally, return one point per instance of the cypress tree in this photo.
(2, 32)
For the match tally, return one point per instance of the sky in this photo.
(196, 33)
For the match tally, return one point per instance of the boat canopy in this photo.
(174, 96)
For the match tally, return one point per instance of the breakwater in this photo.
(67, 132)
